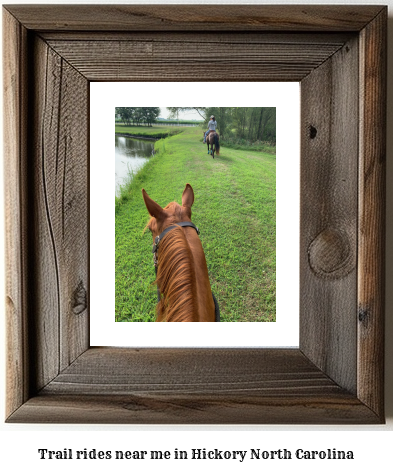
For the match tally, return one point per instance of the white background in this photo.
(104, 97)
(371, 444)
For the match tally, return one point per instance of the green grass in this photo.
(235, 203)
(240, 144)
(156, 131)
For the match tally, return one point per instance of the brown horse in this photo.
(182, 278)
(213, 140)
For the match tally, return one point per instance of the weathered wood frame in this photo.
(338, 54)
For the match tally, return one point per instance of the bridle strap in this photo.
(158, 239)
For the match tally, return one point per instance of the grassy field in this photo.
(235, 209)
(156, 131)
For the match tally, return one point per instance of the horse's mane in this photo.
(176, 279)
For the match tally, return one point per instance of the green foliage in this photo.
(138, 115)
(252, 124)
(235, 210)
(242, 144)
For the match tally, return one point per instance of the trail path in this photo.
(234, 208)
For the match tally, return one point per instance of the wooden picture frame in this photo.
(338, 54)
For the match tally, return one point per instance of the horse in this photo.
(183, 286)
(213, 140)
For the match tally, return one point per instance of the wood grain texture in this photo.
(203, 371)
(201, 37)
(194, 17)
(60, 180)
(372, 173)
(52, 374)
(14, 112)
(329, 168)
(194, 409)
(187, 59)
(198, 385)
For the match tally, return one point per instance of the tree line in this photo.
(251, 124)
(138, 115)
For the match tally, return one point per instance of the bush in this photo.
(242, 143)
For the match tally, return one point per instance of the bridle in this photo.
(156, 244)
(158, 239)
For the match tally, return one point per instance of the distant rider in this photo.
(212, 125)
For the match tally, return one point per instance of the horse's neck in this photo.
(203, 294)
(189, 295)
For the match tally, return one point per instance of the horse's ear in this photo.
(187, 198)
(154, 209)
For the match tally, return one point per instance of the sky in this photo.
(192, 115)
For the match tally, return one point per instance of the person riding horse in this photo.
(212, 125)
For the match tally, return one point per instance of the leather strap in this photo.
(158, 239)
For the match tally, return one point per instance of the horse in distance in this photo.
(213, 140)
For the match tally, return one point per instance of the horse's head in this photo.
(161, 218)
(181, 271)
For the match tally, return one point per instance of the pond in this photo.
(130, 155)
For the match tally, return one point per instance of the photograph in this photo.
(195, 214)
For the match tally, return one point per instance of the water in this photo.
(130, 155)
